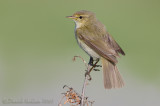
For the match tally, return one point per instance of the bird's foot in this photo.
(93, 65)
(98, 66)
(95, 69)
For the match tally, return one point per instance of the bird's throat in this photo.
(78, 24)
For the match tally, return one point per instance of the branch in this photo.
(84, 86)
(72, 97)
(87, 77)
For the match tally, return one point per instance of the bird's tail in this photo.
(111, 75)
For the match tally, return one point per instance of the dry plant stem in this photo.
(61, 101)
(74, 58)
(84, 87)
(89, 69)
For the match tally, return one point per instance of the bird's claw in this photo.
(91, 64)
(98, 66)
(96, 69)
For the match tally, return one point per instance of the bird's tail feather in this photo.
(111, 75)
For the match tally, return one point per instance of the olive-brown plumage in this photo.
(94, 39)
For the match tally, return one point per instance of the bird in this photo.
(93, 37)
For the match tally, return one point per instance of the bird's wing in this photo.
(114, 44)
(100, 47)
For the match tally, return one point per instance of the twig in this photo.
(89, 69)
(84, 87)
(59, 104)
(74, 98)
(74, 59)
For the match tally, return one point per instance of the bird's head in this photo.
(83, 18)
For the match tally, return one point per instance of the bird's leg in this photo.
(91, 62)
(92, 68)
(94, 65)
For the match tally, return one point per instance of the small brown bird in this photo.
(94, 39)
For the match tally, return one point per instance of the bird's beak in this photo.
(72, 17)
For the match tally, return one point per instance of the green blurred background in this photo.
(37, 45)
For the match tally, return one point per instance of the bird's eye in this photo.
(80, 17)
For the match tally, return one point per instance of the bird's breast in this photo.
(87, 49)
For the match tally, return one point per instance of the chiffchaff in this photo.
(94, 39)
